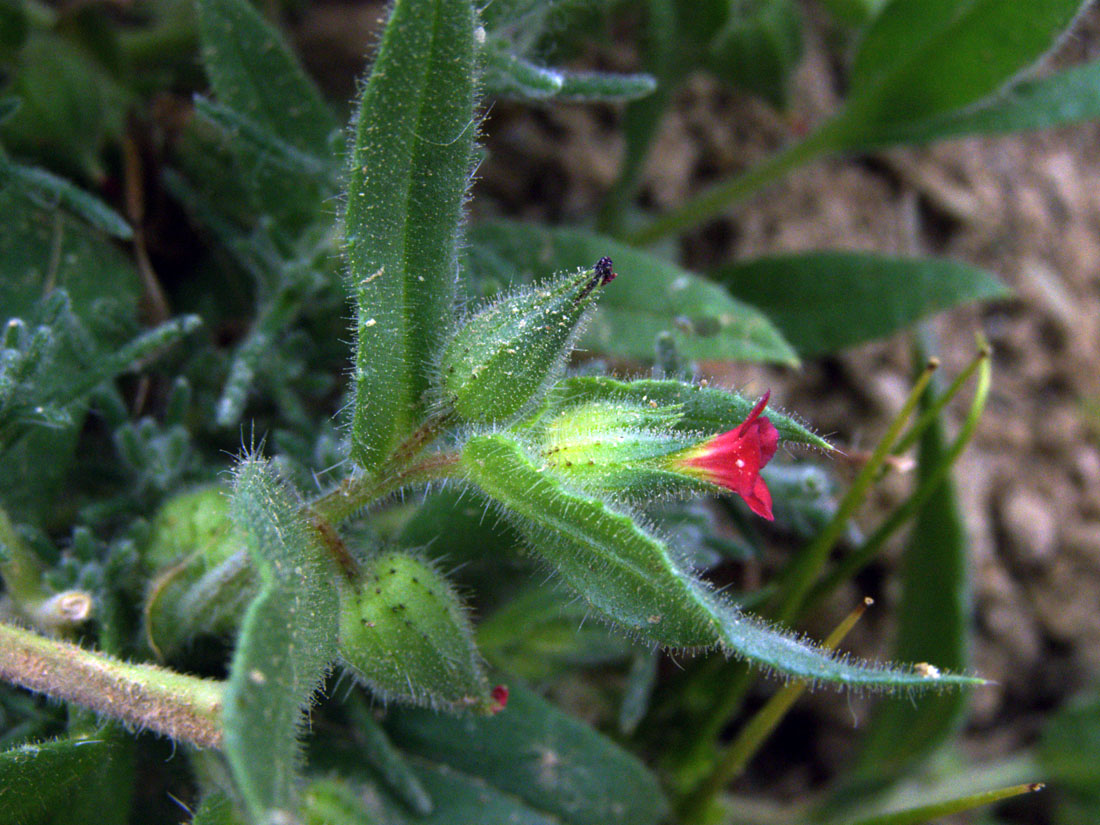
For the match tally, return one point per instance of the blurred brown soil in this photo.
(1026, 208)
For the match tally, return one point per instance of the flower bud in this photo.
(508, 353)
(614, 447)
(404, 633)
(634, 451)
(204, 579)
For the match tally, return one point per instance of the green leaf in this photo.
(509, 75)
(51, 191)
(387, 761)
(9, 105)
(59, 351)
(630, 576)
(853, 12)
(758, 48)
(933, 812)
(923, 58)
(542, 632)
(286, 644)
(57, 782)
(410, 166)
(334, 802)
(638, 693)
(255, 74)
(1069, 754)
(826, 301)
(605, 87)
(933, 626)
(275, 150)
(71, 107)
(532, 752)
(1061, 99)
(702, 409)
(453, 531)
(652, 295)
(217, 808)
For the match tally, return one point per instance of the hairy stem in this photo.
(356, 493)
(185, 708)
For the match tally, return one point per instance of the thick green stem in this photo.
(185, 708)
(356, 493)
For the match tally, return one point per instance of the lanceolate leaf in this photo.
(290, 158)
(254, 73)
(1069, 755)
(922, 60)
(286, 643)
(631, 577)
(914, 47)
(758, 48)
(533, 752)
(1060, 99)
(410, 165)
(825, 301)
(653, 296)
(42, 784)
(50, 191)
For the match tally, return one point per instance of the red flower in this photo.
(733, 459)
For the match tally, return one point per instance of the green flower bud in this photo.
(205, 580)
(191, 521)
(635, 451)
(508, 353)
(616, 447)
(405, 634)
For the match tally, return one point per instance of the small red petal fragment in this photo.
(500, 698)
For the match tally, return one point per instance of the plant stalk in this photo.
(185, 708)
(733, 760)
(718, 198)
(353, 494)
(803, 573)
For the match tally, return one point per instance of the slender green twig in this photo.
(733, 760)
(356, 493)
(941, 401)
(720, 197)
(804, 570)
(856, 561)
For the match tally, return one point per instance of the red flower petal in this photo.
(734, 459)
(499, 696)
